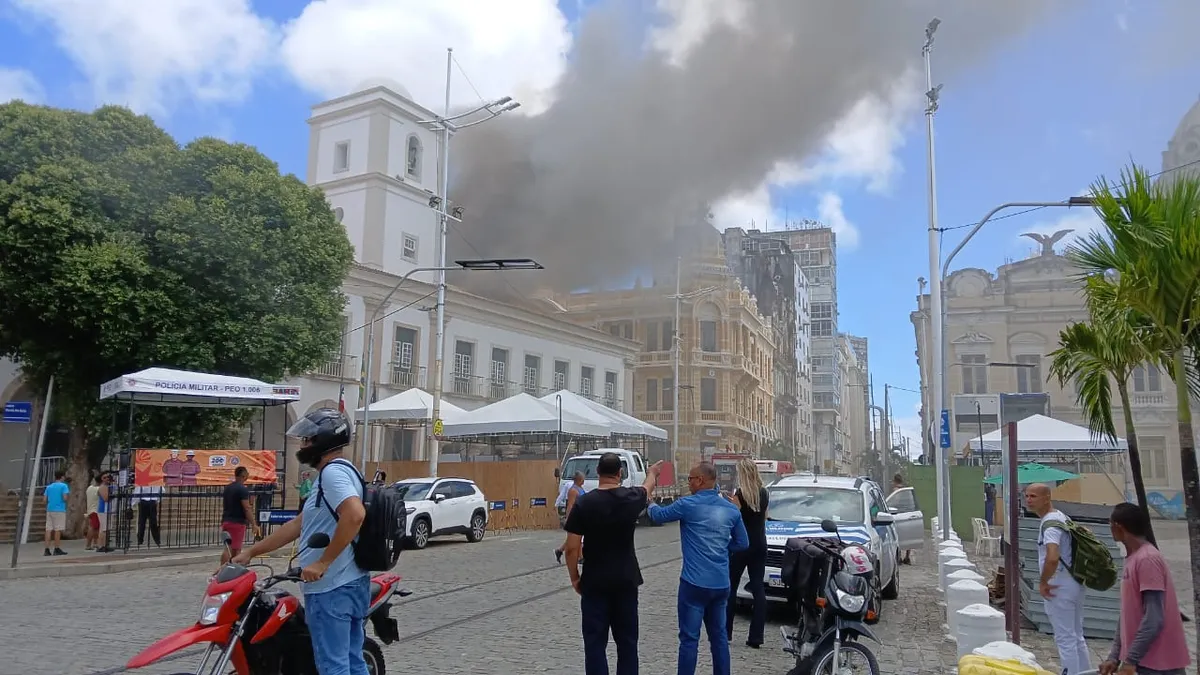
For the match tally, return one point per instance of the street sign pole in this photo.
(20, 412)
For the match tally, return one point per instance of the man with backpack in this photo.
(361, 522)
(1059, 583)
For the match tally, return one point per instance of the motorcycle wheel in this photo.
(825, 665)
(373, 655)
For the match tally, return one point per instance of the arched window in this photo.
(413, 159)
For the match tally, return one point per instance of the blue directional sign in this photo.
(497, 505)
(18, 412)
(945, 428)
(277, 516)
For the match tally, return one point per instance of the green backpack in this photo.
(1091, 563)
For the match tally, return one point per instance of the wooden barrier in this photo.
(516, 485)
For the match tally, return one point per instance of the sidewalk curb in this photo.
(107, 567)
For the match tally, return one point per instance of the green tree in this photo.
(123, 250)
(1144, 266)
(1094, 356)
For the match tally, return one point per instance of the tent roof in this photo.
(620, 423)
(1033, 472)
(412, 404)
(1039, 433)
(524, 414)
(182, 388)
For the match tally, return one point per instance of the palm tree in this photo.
(1093, 356)
(1145, 264)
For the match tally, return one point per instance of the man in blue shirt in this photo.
(56, 512)
(336, 589)
(710, 528)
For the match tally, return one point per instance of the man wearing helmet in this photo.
(336, 590)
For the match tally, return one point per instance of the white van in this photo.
(633, 473)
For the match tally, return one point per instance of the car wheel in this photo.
(478, 527)
(421, 532)
(892, 590)
(875, 606)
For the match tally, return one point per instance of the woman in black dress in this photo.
(752, 499)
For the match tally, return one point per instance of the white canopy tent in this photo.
(524, 414)
(1039, 433)
(619, 422)
(408, 406)
(181, 388)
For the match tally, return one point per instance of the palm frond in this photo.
(1087, 357)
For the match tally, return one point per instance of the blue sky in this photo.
(1077, 96)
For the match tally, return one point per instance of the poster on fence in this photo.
(201, 467)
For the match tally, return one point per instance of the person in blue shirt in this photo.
(56, 512)
(336, 589)
(710, 528)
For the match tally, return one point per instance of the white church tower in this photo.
(378, 167)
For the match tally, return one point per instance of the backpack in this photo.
(1091, 562)
(381, 537)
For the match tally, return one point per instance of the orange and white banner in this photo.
(173, 468)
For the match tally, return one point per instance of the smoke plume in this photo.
(635, 141)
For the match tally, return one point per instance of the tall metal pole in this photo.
(36, 470)
(935, 287)
(675, 374)
(440, 338)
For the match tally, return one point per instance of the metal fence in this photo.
(176, 517)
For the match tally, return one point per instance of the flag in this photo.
(342, 399)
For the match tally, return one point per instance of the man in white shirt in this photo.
(1063, 595)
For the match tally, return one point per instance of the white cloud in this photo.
(687, 22)
(910, 427)
(829, 212)
(153, 56)
(19, 84)
(515, 48)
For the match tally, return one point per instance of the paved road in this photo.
(500, 606)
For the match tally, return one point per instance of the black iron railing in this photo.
(176, 517)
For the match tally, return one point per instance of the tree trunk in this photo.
(1191, 480)
(1135, 459)
(78, 475)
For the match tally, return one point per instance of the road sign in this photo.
(18, 412)
(438, 427)
(277, 516)
(945, 428)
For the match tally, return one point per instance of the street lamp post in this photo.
(676, 345)
(937, 307)
(497, 264)
(447, 124)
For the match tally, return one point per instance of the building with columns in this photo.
(1014, 315)
(378, 168)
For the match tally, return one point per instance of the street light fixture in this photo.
(937, 306)
(499, 264)
(446, 124)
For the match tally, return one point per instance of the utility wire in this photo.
(1039, 208)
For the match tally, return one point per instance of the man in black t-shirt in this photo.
(600, 529)
(236, 513)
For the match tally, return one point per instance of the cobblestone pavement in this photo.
(500, 606)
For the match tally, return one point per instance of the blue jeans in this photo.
(336, 621)
(702, 606)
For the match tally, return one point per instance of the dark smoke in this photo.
(594, 186)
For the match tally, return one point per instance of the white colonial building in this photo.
(379, 167)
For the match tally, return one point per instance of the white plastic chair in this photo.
(984, 537)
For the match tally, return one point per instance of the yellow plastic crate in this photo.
(972, 664)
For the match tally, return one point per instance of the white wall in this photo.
(403, 216)
(352, 202)
(398, 132)
(354, 129)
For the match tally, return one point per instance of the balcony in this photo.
(498, 389)
(654, 358)
(468, 386)
(1150, 399)
(720, 359)
(338, 367)
(714, 417)
(406, 377)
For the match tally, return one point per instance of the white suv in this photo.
(441, 506)
(799, 503)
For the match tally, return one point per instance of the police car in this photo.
(799, 503)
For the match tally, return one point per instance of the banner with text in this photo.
(174, 468)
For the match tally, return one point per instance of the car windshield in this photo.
(768, 477)
(587, 466)
(814, 503)
(413, 492)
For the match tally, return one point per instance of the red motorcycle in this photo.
(260, 630)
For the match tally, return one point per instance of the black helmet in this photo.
(321, 432)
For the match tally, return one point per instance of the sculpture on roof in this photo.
(1047, 241)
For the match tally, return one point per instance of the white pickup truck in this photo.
(633, 473)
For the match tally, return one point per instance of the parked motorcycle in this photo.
(260, 630)
(830, 586)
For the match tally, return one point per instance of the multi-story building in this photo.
(767, 267)
(816, 247)
(857, 402)
(725, 351)
(378, 168)
(1014, 316)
